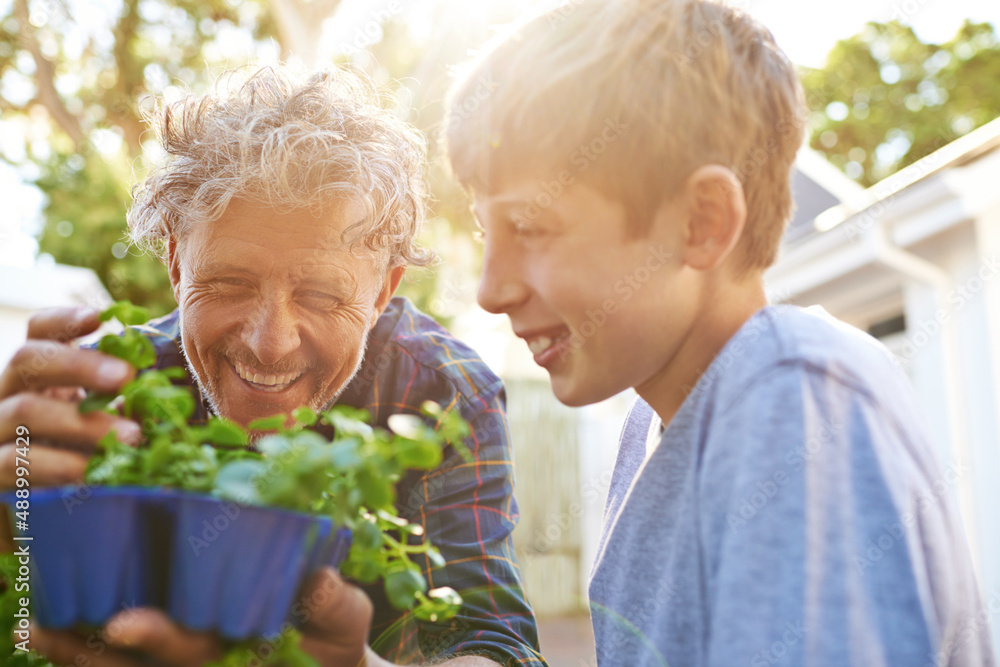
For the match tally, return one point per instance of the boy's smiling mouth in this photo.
(546, 344)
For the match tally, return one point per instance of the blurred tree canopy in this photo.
(74, 78)
(71, 79)
(885, 99)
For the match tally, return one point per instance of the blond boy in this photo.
(631, 174)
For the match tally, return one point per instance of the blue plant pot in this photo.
(212, 565)
(236, 569)
(91, 554)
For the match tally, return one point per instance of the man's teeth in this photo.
(540, 344)
(260, 378)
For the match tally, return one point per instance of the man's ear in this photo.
(393, 277)
(716, 212)
(174, 266)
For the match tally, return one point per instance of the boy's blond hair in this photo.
(630, 97)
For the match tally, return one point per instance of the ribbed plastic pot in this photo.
(236, 569)
(91, 553)
(213, 565)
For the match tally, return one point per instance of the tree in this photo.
(75, 82)
(885, 99)
(83, 79)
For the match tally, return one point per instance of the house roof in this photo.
(817, 186)
(960, 152)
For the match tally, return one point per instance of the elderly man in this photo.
(286, 216)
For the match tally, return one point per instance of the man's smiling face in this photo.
(275, 308)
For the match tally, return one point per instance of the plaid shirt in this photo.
(467, 509)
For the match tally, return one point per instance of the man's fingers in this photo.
(68, 648)
(39, 364)
(63, 324)
(334, 606)
(61, 422)
(49, 467)
(337, 618)
(151, 631)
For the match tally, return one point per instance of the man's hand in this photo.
(41, 388)
(336, 618)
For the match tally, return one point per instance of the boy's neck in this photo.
(666, 391)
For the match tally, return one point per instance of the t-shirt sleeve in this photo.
(817, 538)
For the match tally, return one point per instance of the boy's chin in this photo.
(573, 395)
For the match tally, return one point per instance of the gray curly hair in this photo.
(273, 140)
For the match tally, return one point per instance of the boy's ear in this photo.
(716, 216)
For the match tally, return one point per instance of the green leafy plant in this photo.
(351, 479)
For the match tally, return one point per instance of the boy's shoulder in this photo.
(782, 339)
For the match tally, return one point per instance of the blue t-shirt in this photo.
(793, 513)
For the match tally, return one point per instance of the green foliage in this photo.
(92, 96)
(352, 478)
(174, 46)
(286, 652)
(87, 198)
(885, 99)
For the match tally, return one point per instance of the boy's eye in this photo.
(526, 229)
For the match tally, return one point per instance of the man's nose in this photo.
(271, 332)
(502, 285)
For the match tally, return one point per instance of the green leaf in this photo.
(237, 481)
(409, 426)
(272, 423)
(345, 455)
(435, 557)
(94, 402)
(402, 586)
(305, 415)
(391, 519)
(420, 455)
(126, 313)
(432, 409)
(446, 595)
(348, 422)
(131, 346)
(273, 445)
(376, 491)
(219, 431)
(440, 605)
(364, 570)
(367, 537)
(172, 372)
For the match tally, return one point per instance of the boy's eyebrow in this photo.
(518, 207)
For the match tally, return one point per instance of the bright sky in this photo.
(808, 29)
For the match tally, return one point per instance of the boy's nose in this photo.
(502, 286)
(271, 333)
